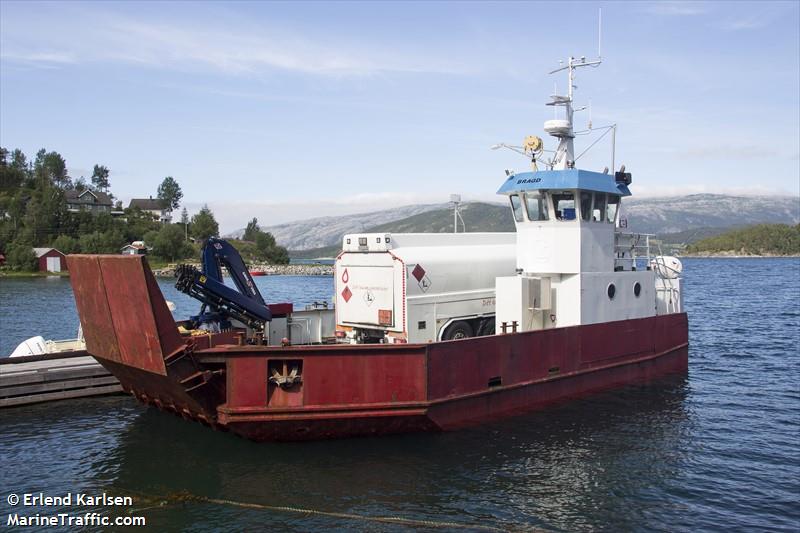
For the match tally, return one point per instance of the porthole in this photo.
(637, 289)
(611, 291)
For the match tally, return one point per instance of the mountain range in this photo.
(677, 219)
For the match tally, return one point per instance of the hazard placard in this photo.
(422, 278)
(347, 294)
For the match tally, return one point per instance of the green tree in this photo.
(19, 161)
(204, 225)
(185, 223)
(22, 257)
(51, 168)
(268, 249)
(111, 241)
(91, 243)
(13, 171)
(170, 194)
(150, 237)
(169, 243)
(251, 231)
(15, 210)
(777, 239)
(80, 184)
(100, 179)
(139, 225)
(66, 244)
(44, 213)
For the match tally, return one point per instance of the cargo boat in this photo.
(428, 332)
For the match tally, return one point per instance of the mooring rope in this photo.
(184, 497)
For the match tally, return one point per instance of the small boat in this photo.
(42, 370)
(258, 273)
(39, 346)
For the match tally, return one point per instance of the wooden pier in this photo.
(42, 378)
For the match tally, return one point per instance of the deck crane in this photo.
(220, 302)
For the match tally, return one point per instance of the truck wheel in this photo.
(486, 328)
(458, 330)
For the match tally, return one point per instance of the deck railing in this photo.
(630, 248)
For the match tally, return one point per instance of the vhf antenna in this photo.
(599, 30)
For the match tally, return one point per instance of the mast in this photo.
(562, 129)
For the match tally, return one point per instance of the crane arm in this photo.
(244, 303)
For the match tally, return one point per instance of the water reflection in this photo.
(570, 467)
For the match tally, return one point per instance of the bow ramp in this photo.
(131, 332)
(124, 316)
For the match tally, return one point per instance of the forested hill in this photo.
(762, 239)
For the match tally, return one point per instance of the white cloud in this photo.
(187, 45)
(727, 151)
(680, 9)
(749, 22)
(644, 191)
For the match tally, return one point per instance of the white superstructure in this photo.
(575, 264)
(569, 263)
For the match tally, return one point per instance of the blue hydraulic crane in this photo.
(220, 302)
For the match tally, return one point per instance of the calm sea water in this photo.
(718, 449)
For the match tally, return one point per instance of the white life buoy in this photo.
(667, 266)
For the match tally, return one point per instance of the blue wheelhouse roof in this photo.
(571, 178)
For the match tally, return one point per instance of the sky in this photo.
(286, 111)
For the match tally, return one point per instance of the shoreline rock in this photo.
(268, 270)
(730, 254)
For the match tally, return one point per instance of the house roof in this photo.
(88, 196)
(43, 251)
(146, 204)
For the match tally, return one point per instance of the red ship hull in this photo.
(353, 390)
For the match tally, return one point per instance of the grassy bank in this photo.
(26, 274)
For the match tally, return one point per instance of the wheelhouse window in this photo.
(516, 207)
(599, 210)
(612, 208)
(564, 205)
(537, 205)
(586, 206)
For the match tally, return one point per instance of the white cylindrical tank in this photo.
(386, 280)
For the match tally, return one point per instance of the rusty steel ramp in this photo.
(131, 332)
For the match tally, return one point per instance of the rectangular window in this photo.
(612, 208)
(586, 206)
(599, 211)
(564, 204)
(537, 205)
(516, 207)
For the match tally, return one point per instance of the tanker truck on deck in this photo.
(419, 287)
